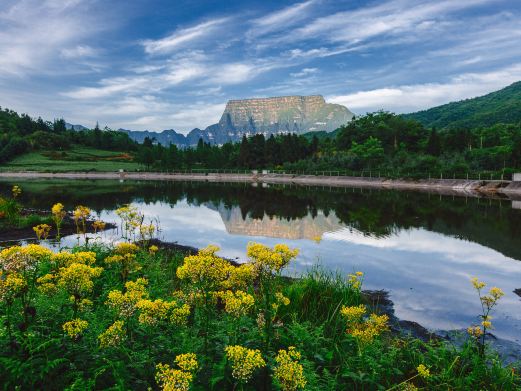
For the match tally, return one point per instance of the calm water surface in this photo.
(422, 248)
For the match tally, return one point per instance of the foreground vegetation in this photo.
(133, 316)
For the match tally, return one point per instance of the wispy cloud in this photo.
(182, 36)
(281, 19)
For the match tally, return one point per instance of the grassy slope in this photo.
(76, 159)
(503, 106)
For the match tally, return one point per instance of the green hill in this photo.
(503, 106)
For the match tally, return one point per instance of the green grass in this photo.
(76, 159)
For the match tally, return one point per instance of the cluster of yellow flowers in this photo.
(159, 310)
(244, 362)
(423, 371)
(75, 327)
(365, 330)
(125, 303)
(65, 258)
(42, 231)
(113, 336)
(270, 260)
(153, 249)
(289, 372)
(11, 285)
(237, 303)
(77, 278)
(170, 379)
(355, 280)
(205, 268)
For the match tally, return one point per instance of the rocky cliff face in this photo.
(286, 114)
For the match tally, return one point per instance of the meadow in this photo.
(78, 158)
(134, 315)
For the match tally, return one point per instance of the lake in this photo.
(422, 248)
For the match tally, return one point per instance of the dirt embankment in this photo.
(461, 187)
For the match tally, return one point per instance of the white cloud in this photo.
(415, 97)
(182, 37)
(34, 34)
(281, 19)
(305, 72)
(78, 52)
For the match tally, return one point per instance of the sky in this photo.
(162, 64)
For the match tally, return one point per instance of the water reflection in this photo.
(421, 248)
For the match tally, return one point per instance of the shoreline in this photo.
(458, 187)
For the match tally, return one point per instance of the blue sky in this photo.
(160, 64)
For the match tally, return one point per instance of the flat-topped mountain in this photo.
(299, 114)
(285, 114)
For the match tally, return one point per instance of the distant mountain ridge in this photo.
(278, 115)
(503, 106)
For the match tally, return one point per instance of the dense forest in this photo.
(375, 141)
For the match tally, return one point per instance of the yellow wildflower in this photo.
(475, 331)
(353, 313)
(244, 362)
(237, 303)
(153, 312)
(75, 327)
(289, 372)
(477, 284)
(153, 249)
(77, 278)
(113, 336)
(80, 215)
(173, 379)
(187, 362)
(270, 260)
(98, 225)
(16, 191)
(125, 303)
(423, 371)
(124, 248)
(42, 231)
(205, 268)
(240, 277)
(496, 293)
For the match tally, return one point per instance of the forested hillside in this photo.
(503, 106)
(20, 134)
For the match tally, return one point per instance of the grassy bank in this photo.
(134, 316)
(75, 159)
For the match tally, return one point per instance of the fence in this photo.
(467, 175)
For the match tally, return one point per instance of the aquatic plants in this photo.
(131, 316)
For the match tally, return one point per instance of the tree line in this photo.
(375, 141)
